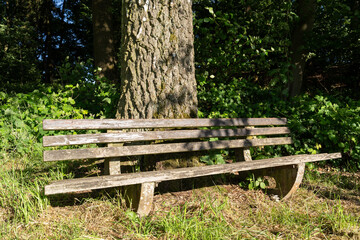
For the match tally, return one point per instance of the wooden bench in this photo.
(151, 136)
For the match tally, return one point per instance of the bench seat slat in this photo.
(91, 183)
(64, 140)
(96, 124)
(136, 150)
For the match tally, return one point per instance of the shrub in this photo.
(319, 122)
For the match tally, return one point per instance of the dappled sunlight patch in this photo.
(335, 185)
(93, 218)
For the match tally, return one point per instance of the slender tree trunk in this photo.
(306, 13)
(46, 9)
(157, 66)
(355, 23)
(104, 52)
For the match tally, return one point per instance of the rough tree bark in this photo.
(306, 13)
(157, 66)
(104, 52)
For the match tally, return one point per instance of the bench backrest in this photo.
(233, 130)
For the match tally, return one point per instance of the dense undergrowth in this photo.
(22, 113)
(319, 122)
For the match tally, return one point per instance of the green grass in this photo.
(327, 206)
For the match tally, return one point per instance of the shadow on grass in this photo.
(334, 185)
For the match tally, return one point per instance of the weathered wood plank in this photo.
(64, 140)
(146, 198)
(72, 154)
(91, 183)
(288, 179)
(244, 154)
(84, 124)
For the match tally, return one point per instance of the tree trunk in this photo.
(104, 52)
(47, 18)
(157, 66)
(157, 69)
(306, 13)
(355, 58)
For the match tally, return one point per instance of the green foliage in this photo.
(319, 123)
(22, 113)
(336, 26)
(254, 183)
(328, 124)
(242, 39)
(97, 95)
(213, 158)
(18, 57)
(35, 37)
(242, 50)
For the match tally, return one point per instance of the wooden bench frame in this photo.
(287, 171)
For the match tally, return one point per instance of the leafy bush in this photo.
(21, 114)
(327, 124)
(213, 158)
(249, 39)
(319, 122)
(97, 95)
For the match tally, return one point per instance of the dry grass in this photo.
(327, 206)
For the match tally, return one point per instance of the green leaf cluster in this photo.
(319, 122)
(21, 114)
(214, 158)
(254, 183)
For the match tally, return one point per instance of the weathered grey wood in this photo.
(85, 124)
(65, 140)
(287, 178)
(146, 198)
(72, 154)
(75, 185)
(112, 166)
(244, 154)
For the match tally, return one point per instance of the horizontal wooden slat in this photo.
(106, 152)
(64, 140)
(91, 183)
(85, 124)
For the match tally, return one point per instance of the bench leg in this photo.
(287, 178)
(146, 199)
(112, 166)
